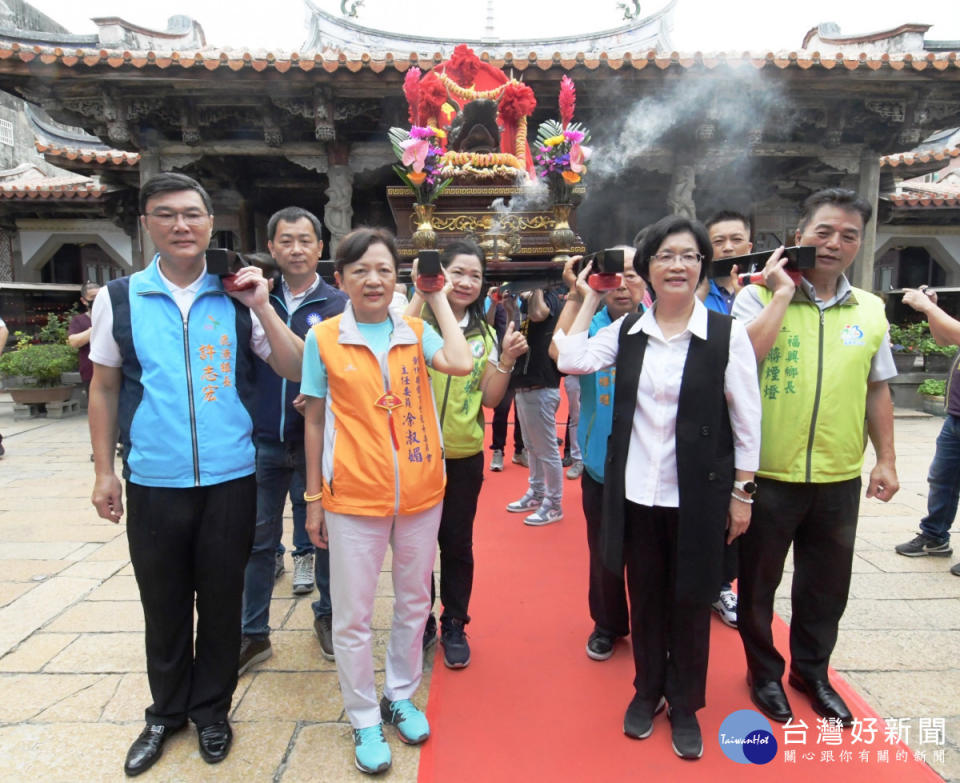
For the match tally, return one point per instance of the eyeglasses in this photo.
(168, 217)
(666, 258)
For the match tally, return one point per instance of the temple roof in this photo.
(332, 35)
(828, 34)
(237, 60)
(102, 157)
(923, 200)
(28, 182)
(919, 157)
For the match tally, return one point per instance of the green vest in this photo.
(458, 401)
(813, 386)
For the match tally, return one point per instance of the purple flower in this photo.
(418, 132)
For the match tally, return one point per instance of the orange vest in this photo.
(383, 452)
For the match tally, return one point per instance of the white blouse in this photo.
(651, 472)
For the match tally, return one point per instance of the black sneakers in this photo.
(430, 632)
(599, 646)
(456, 651)
(685, 730)
(924, 545)
(253, 649)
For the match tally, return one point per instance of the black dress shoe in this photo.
(147, 748)
(638, 720)
(825, 701)
(770, 699)
(215, 741)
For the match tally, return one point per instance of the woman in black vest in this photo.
(679, 472)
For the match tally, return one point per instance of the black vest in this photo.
(705, 459)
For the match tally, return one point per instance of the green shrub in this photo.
(43, 362)
(932, 388)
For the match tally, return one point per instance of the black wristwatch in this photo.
(747, 487)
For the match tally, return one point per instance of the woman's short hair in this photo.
(357, 242)
(657, 234)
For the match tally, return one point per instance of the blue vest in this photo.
(596, 409)
(185, 408)
(275, 418)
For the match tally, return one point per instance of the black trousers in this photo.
(731, 560)
(820, 521)
(185, 545)
(607, 594)
(464, 480)
(501, 417)
(671, 636)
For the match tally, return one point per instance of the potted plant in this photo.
(905, 343)
(932, 393)
(937, 358)
(32, 371)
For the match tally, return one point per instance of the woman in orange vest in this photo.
(375, 475)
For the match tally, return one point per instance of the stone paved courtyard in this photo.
(72, 680)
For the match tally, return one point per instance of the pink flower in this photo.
(578, 156)
(415, 152)
(573, 135)
(418, 132)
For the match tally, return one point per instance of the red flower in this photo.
(411, 89)
(462, 66)
(518, 101)
(568, 100)
(432, 96)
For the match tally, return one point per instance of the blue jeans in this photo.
(281, 468)
(944, 481)
(537, 411)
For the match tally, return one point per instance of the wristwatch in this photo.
(747, 487)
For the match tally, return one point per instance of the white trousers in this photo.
(357, 547)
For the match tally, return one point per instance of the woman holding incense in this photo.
(678, 479)
(375, 476)
(459, 401)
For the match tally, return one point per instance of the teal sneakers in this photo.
(372, 753)
(411, 724)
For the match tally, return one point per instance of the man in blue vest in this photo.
(607, 592)
(301, 299)
(173, 357)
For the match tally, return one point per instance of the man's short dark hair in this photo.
(847, 200)
(657, 234)
(170, 182)
(727, 214)
(292, 215)
(357, 242)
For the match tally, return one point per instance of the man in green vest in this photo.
(824, 362)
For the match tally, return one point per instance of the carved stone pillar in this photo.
(149, 166)
(338, 214)
(680, 193)
(869, 189)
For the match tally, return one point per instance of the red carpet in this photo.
(532, 707)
